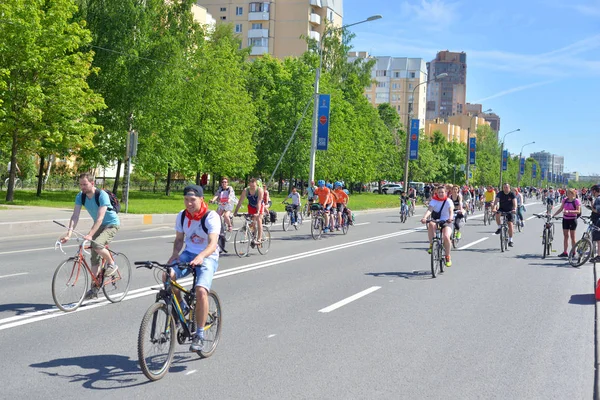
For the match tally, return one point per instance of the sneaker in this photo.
(110, 270)
(337, 229)
(429, 249)
(325, 230)
(91, 294)
(595, 259)
(498, 231)
(448, 261)
(197, 343)
(458, 234)
(511, 244)
(563, 254)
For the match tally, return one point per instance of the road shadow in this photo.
(587, 299)
(556, 264)
(414, 275)
(24, 308)
(529, 256)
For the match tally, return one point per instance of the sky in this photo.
(535, 63)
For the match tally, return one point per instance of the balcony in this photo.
(315, 19)
(258, 51)
(316, 3)
(258, 16)
(314, 35)
(258, 33)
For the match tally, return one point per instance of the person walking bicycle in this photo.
(571, 209)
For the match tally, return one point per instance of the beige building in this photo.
(394, 81)
(449, 130)
(447, 96)
(202, 16)
(277, 27)
(468, 121)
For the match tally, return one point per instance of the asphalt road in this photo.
(494, 326)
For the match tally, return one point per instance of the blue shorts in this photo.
(204, 273)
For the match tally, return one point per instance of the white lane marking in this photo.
(350, 299)
(466, 246)
(270, 336)
(35, 316)
(191, 372)
(75, 245)
(532, 217)
(361, 223)
(8, 276)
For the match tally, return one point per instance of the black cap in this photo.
(193, 190)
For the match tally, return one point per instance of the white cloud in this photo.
(513, 90)
(434, 14)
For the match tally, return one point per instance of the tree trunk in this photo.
(214, 181)
(168, 190)
(10, 190)
(291, 180)
(116, 185)
(40, 176)
(198, 175)
(280, 185)
(51, 158)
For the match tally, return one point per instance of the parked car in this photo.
(390, 188)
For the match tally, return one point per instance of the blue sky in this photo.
(536, 63)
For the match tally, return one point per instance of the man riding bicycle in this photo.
(255, 196)
(326, 201)
(506, 202)
(342, 201)
(440, 208)
(226, 198)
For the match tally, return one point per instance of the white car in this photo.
(390, 188)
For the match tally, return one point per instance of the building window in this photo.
(412, 74)
(381, 84)
(223, 9)
(410, 86)
(238, 28)
(381, 72)
(258, 42)
(397, 74)
(239, 11)
(259, 7)
(223, 18)
(395, 86)
(257, 25)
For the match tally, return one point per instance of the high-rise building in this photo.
(394, 82)
(447, 96)
(550, 162)
(477, 109)
(277, 27)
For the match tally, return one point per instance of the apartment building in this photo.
(550, 162)
(447, 96)
(202, 16)
(450, 131)
(395, 80)
(276, 27)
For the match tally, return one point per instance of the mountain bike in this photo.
(166, 321)
(504, 230)
(547, 233)
(289, 217)
(317, 223)
(584, 249)
(438, 252)
(345, 221)
(70, 281)
(246, 238)
(404, 210)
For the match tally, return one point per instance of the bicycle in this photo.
(70, 281)
(226, 229)
(547, 234)
(404, 210)
(504, 230)
(411, 207)
(246, 237)
(584, 249)
(289, 216)
(438, 252)
(518, 220)
(487, 215)
(317, 221)
(165, 321)
(454, 237)
(345, 221)
(18, 183)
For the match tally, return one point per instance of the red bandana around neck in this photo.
(436, 197)
(197, 216)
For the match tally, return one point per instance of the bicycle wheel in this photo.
(265, 245)
(544, 243)
(299, 221)
(69, 285)
(156, 341)
(505, 235)
(18, 184)
(485, 216)
(435, 255)
(454, 239)
(241, 243)
(286, 222)
(316, 227)
(229, 233)
(115, 287)
(212, 328)
(442, 257)
(502, 233)
(581, 253)
(345, 224)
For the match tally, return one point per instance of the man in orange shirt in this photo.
(323, 193)
(342, 200)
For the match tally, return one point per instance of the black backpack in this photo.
(114, 201)
(222, 239)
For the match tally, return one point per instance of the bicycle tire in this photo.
(345, 224)
(212, 328)
(505, 230)
(581, 253)
(228, 233)
(434, 258)
(485, 219)
(544, 243)
(316, 227)
(454, 239)
(502, 239)
(286, 222)
(68, 275)
(116, 287)
(265, 244)
(241, 242)
(299, 221)
(442, 257)
(156, 365)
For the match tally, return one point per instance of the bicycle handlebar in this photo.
(156, 264)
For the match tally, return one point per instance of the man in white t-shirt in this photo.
(295, 196)
(440, 208)
(199, 229)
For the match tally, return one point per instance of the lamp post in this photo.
(406, 156)
(521, 155)
(469, 143)
(502, 152)
(315, 122)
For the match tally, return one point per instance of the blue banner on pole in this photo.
(414, 139)
(504, 160)
(567, 181)
(534, 171)
(472, 148)
(522, 166)
(323, 124)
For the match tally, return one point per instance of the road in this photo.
(494, 326)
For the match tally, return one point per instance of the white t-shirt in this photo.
(295, 198)
(436, 205)
(195, 238)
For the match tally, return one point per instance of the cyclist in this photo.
(520, 206)
(467, 198)
(489, 197)
(295, 196)
(255, 195)
(333, 210)
(226, 196)
(427, 192)
(403, 202)
(457, 201)
(105, 227)
(412, 197)
(342, 200)
(322, 192)
(440, 208)
(266, 201)
(310, 192)
(571, 208)
(595, 218)
(199, 229)
(506, 202)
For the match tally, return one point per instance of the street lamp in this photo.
(521, 155)
(315, 122)
(406, 156)
(469, 143)
(502, 152)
